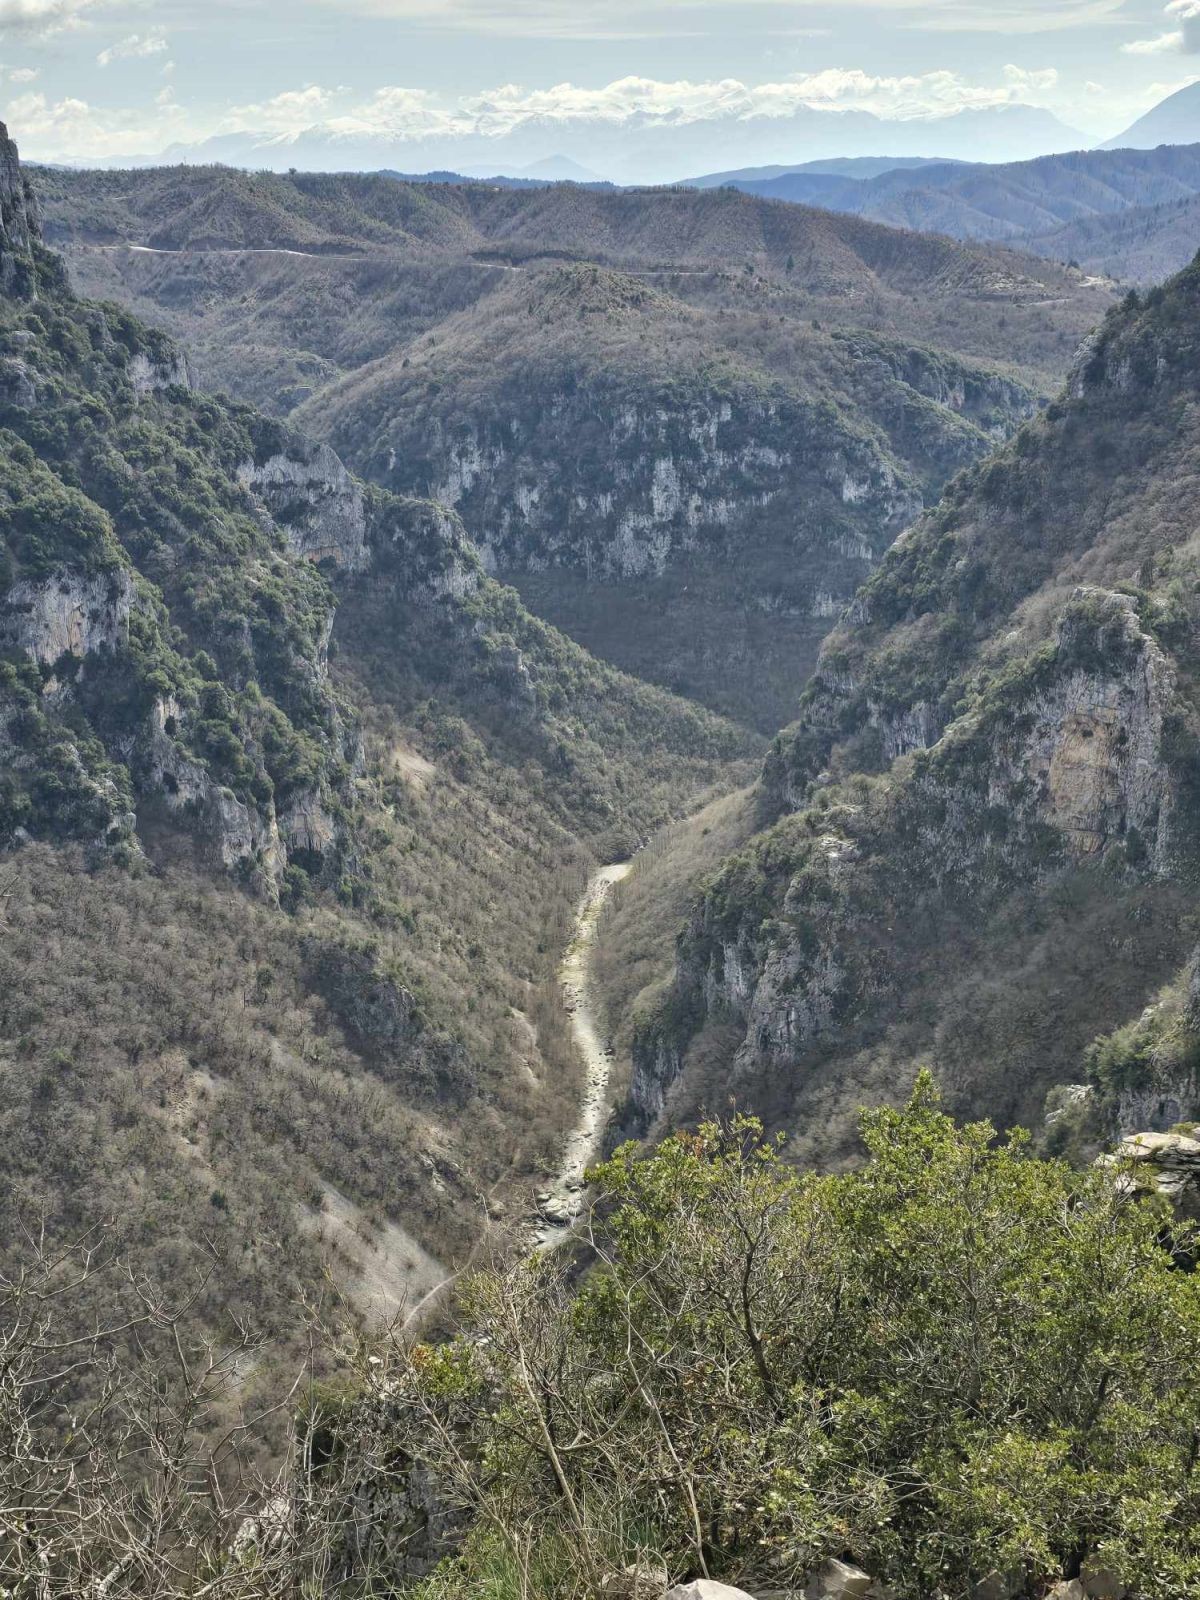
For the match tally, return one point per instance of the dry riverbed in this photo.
(561, 1201)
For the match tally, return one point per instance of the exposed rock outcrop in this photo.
(306, 492)
(148, 374)
(233, 832)
(676, 482)
(68, 613)
(18, 386)
(1161, 1167)
(19, 226)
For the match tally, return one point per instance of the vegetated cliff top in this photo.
(982, 838)
(555, 325)
(282, 284)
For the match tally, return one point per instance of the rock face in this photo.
(669, 482)
(18, 220)
(67, 614)
(706, 1589)
(18, 387)
(983, 740)
(148, 375)
(1160, 1163)
(1071, 764)
(610, 448)
(307, 493)
(230, 830)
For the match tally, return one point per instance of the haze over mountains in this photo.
(1120, 212)
(1175, 120)
(638, 147)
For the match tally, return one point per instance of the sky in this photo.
(102, 80)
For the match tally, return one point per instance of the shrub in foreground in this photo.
(956, 1361)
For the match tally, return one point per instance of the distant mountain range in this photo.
(640, 148)
(859, 168)
(1127, 213)
(1175, 120)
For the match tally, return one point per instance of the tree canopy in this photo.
(956, 1361)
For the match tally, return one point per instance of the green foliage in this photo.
(955, 1361)
(1158, 1050)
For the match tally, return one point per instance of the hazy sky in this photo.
(104, 78)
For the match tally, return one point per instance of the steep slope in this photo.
(295, 805)
(1175, 120)
(667, 454)
(1114, 211)
(692, 495)
(980, 841)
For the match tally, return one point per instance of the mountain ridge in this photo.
(1175, 120)
(992, 783)
(1045, 205)
(275, 756)
(550, 362)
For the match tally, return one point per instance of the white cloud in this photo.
(71, 126)
(22, 74)
(632, 19)
(647, 100)
(290, 112)
(136, 46)
(1023, 81)
(1181, 40)
(43, 17)
(404, 115)
(1163, 44)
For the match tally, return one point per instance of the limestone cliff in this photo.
(631, 461)
(305, 490)
(67, 613)
(18, 220)
(1000, 747)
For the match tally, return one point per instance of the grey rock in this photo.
(17, 386)
(1100, 1583)
(706, 1589)
(149, 374)
(644, 1579)
(837, 1580)
(69, 613)
(306, 492)
(997, 1586)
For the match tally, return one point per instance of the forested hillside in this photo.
(685, 425)
(979, 839)
(1123, 213)
(279, 763)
